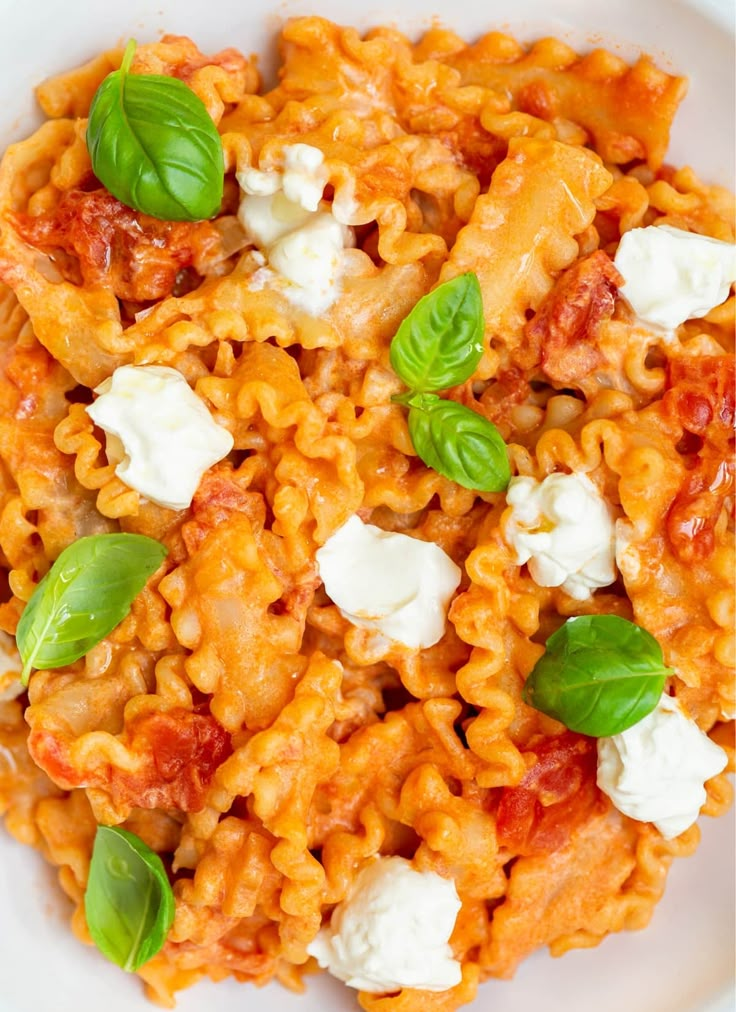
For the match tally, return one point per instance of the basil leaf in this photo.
(129, 904)
(599, 675)
(154, 146)
(440, 342)
(459, 443)
(85, 594)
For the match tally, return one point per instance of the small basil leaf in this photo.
(440, 342)
(459, 443)
(599, 675)
(85, 594)
(154, 146)
(129, 904)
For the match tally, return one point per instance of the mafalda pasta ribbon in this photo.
(389, 290)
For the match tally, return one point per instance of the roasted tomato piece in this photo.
(556, 796)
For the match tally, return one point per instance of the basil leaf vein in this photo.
(129, 904)
(599, 675)
(439, 344)
(154, 145)
(459, 444)
(86, 593)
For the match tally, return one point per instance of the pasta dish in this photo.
(366, 506)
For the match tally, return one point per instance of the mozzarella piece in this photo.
(310, 256)
(267, 219)
(160, 434)
(393, 930)
(284, 215)
(672, 275)
(302, 180)
(393, 583)
(258, 183)
(655, 770)
(304, 175)
(563, 528)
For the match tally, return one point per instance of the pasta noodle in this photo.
(237, 721)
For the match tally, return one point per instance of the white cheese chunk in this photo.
(166, 435)
(258, 183)
(393, 583)
(267, 219)
(563, 528)
(392, 931)
(655, 770)
(310, 256)
(285, 216)
(304, 175)
(672, 275)
(302, 180)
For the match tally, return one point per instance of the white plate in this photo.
(684, 962)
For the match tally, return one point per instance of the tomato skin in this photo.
(103, 242)
(701, 395)
(700, 398)
(557, 794)
(174, 756)
(563, 335)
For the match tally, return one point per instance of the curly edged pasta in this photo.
(240, 722)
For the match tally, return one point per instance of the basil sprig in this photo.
(85, 594)
(438, 346)
(129, 904)
(599, 675)
(154, 146)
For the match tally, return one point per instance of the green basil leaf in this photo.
(459, 443)
(599, 675)
(85, 594)
(440, 342)
(129, 904)
(154, 146)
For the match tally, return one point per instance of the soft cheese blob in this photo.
(302, 241)
(655, 770)
(160, 432)
(393, 930)
(672, 275)
(563, 528)
(393, 583)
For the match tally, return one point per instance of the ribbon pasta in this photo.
(235, 720)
